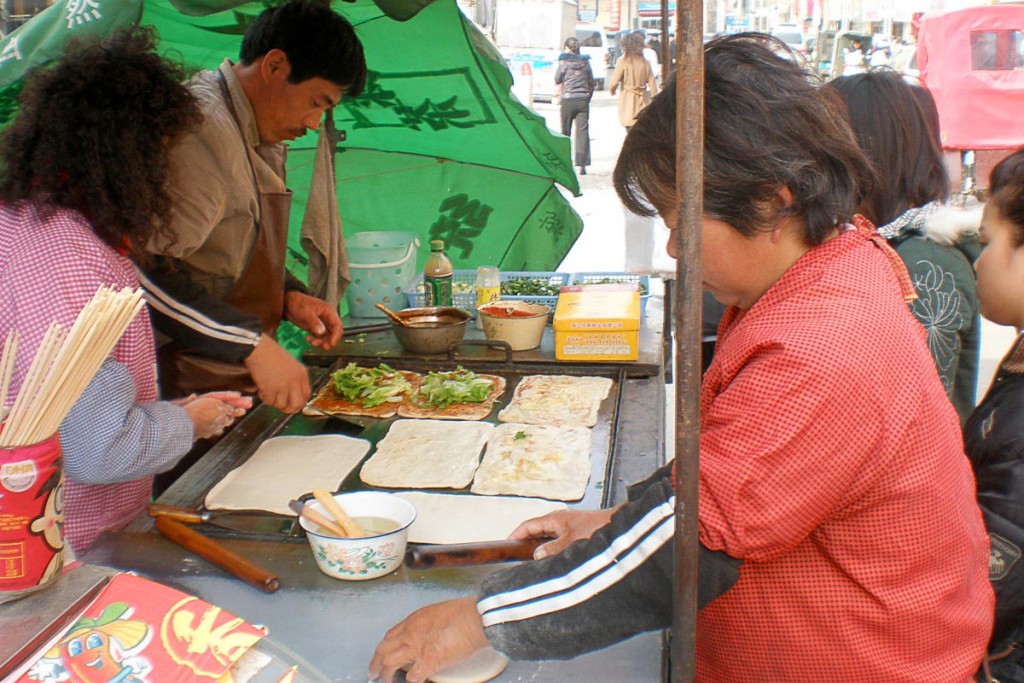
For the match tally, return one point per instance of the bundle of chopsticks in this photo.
(63, 365)
(341, 525)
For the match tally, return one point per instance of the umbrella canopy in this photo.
(435, 145)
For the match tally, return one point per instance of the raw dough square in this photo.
(455, 518)
(284, 468)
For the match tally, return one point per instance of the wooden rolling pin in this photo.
(214, 552)
(466, 554)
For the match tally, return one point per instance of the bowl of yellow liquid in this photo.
(384, 517)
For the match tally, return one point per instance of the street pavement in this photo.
(602, 246)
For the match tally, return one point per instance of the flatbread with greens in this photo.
(459, 394)
(357, 390)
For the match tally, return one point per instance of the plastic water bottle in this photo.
(437, 276)
(488, 288)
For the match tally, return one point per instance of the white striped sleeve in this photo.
(165, 304)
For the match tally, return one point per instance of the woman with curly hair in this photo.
(82, 188)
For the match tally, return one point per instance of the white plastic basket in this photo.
(381, 265)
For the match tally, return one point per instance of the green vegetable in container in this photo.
(529, 286)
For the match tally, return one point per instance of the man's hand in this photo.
(563, 526)
(281, 381)
(429, 640)
(315, 316)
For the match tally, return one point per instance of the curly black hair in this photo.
(92, 135)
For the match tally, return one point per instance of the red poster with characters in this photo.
(137, 630)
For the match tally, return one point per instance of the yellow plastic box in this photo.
(598, 323)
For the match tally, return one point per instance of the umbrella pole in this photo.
(689, 189)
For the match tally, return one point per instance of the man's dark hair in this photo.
(894, 129)
(92, 134)
(319, 43)
(767, 126)
(1006, 188)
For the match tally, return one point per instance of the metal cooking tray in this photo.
(233, 454)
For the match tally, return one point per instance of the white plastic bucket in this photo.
(381, 263)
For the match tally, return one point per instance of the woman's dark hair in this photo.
(92, 134)
(319, 43)
(1006, 191)
(767, 126)
(900, 139)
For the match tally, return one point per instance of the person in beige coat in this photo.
(633, 73)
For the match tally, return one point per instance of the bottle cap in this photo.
(436, 245)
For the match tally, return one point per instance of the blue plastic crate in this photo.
(464, 289)
(612, 278)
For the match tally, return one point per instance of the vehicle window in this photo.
(997, 50)
(589, 38)
(790, 38)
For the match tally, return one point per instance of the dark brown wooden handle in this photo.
(214, 552)
(465, 554)
(187, 515)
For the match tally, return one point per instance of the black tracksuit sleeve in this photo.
(187, 313)
(601, 590)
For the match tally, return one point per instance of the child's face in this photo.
(1000, 271)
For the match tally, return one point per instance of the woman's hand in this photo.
(429, 640)
(315, 316)
(211, 415)
(564, 527)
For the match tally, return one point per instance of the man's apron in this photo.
(259, 291)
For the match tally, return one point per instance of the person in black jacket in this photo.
(577, 81)
(994, 434)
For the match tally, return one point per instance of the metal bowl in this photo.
(434, 328)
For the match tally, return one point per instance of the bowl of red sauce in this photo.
(518, 323)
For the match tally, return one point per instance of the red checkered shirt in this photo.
(49, 269)
(832, 464)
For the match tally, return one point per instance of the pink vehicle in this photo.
(972, 61)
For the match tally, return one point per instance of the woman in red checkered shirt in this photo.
(831, 462)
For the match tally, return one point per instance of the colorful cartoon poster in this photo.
(139, 631)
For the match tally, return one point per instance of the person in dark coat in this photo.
(898, 127)
(993, 434)
(577, 81)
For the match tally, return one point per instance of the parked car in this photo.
(792, 36)
(594, 44)
(541, 65)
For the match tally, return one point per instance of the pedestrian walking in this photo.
(636, 78)
(577, 81)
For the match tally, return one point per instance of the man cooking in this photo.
(219, 287)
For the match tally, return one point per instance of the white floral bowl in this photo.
(358, 559)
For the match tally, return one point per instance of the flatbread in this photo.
(482, 665)
(545, 461)
(455, 518)
(329, 401)
(557, 400)
(284, 468)
(456, 411)
(423, 454)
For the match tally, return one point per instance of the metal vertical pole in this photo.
(689, 189)
(664, 57)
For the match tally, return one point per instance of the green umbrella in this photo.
(436, 145)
